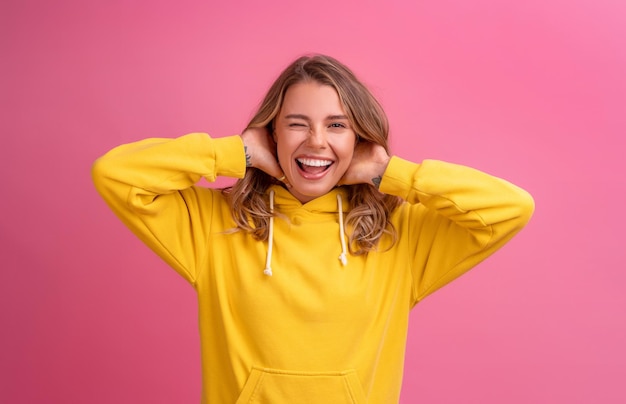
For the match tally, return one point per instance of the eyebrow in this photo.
(306, 118)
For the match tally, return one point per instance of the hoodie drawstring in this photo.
(343, 257)
(270, 238)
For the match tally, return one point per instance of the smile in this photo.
(313, 166)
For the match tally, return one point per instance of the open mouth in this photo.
(313, 166)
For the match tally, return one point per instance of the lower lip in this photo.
(310, 176)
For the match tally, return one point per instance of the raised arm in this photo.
(150, 186)
(458, 217)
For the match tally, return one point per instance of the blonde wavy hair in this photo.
(370, 211)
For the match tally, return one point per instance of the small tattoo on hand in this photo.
(376, 181)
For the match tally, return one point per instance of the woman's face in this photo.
(315, 141)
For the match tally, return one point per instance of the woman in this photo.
(307, 268)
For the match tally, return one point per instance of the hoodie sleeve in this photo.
(457, 216)
(150, 186)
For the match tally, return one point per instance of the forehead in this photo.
(312, 99)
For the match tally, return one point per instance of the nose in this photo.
(317, 138)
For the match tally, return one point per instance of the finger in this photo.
(274, 169)
(283, 178)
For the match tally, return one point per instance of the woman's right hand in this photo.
(260, 151)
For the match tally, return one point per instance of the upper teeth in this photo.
(314, 162)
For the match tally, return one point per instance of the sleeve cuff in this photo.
(230, 158)
(399, 177)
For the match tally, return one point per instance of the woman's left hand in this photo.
(368, 165)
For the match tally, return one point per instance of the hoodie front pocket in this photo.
(271, 386)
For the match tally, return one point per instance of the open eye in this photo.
(337, 125)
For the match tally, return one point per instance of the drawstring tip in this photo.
(268, 271)
(343, 259)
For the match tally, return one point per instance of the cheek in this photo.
(281, 155)
(284, 151)
(346, 148)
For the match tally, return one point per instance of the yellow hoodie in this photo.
(317, 331)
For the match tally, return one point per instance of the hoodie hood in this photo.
(282, 200)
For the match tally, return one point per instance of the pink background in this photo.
(533, 91)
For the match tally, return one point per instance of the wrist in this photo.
(381, 168)
(376, 181)
(248, 156)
